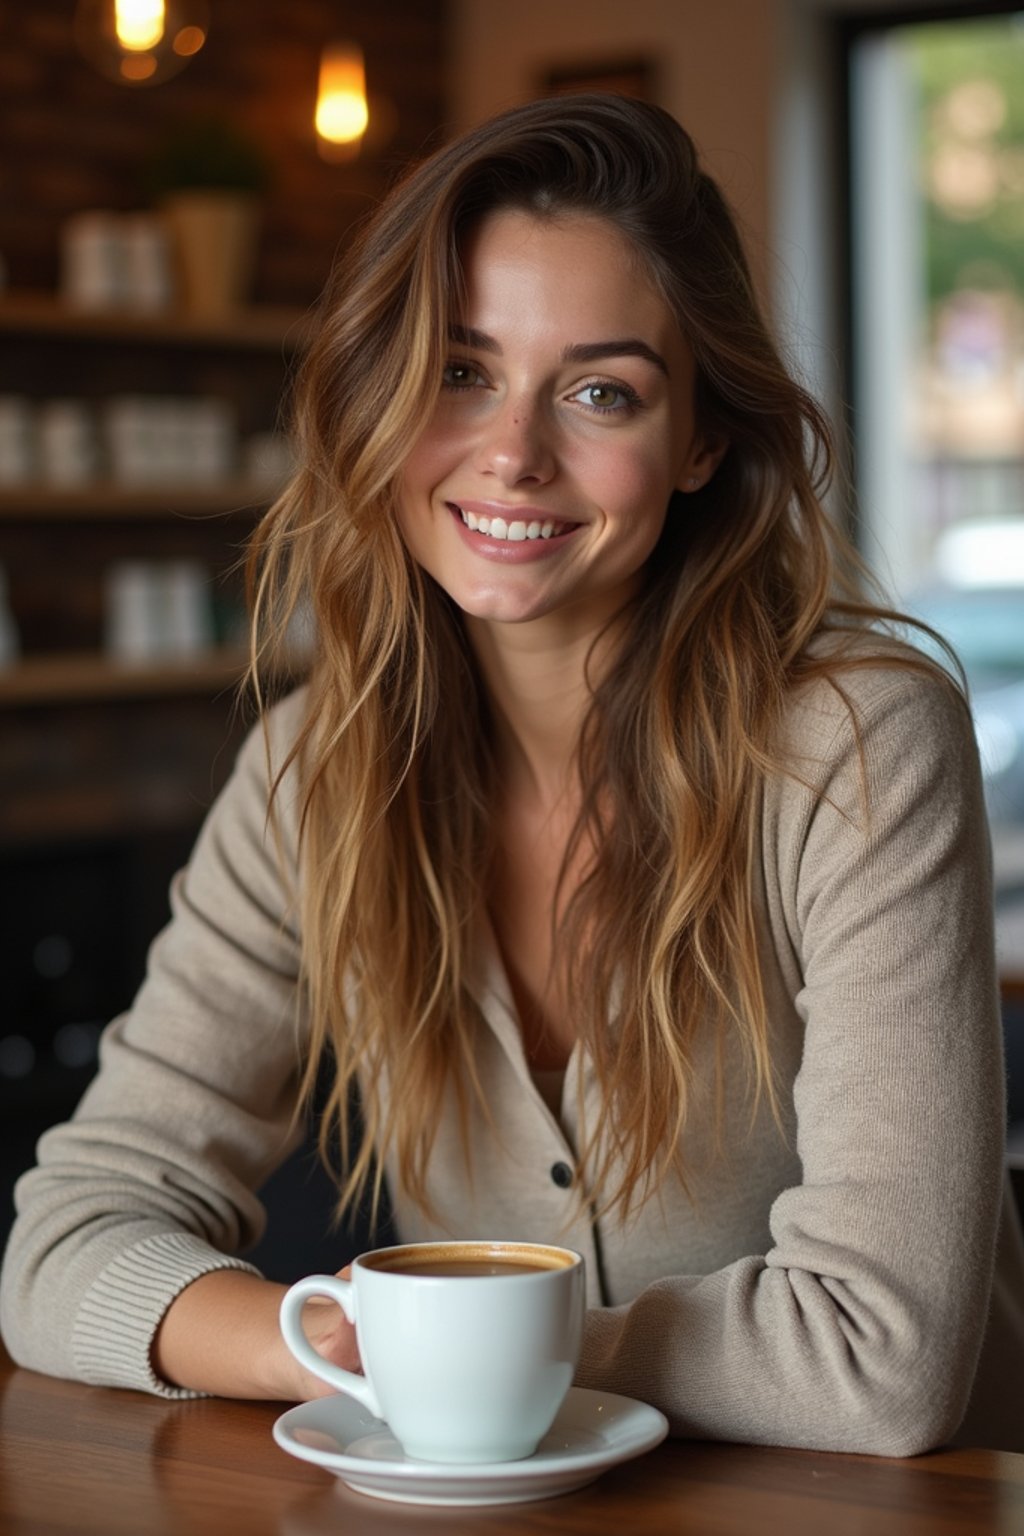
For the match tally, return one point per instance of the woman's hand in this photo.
(331, 1335)
(222, 1335)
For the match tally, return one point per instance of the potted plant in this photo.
(208, 178)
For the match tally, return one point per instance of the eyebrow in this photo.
(581, 352)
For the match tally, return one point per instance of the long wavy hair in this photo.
(394, 755)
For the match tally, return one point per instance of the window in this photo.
(937, 259)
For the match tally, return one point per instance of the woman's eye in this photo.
(607, 397)
(460, 376)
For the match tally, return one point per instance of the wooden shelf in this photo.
(61, 679)
(114, 499)
(94, 746)
(259, 328)
(68, 814)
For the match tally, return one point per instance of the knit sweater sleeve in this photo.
(859, 1329)
(151, 1183)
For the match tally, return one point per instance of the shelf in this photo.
(94, 746)
(62, 679)
(259, 328)
(114, 499)
(98, 813)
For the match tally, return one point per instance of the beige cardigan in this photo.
(830, 1286)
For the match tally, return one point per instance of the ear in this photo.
(704, 457)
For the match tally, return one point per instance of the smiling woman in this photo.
(619, 853)
(565, 422)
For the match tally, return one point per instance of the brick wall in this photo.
(71, 140)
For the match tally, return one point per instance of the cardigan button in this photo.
(561, 1174)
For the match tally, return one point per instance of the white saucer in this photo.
(592, 1432)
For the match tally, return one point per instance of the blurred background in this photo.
(175, 177)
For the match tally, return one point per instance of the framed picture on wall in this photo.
(624, 77)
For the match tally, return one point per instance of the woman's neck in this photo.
(540, 684)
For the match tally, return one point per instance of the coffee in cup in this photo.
(468, 1348)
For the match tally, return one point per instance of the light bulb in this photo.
(139, 24)
(342, 113)
(140, 42)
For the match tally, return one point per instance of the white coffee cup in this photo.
(468, 1348)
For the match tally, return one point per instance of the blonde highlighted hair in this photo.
(395, 750)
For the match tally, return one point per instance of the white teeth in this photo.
(514, 532)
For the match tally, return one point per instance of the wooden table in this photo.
(83, 1461)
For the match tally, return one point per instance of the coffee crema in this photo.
(470, 1260)
(467, 1267)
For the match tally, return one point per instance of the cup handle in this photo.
(342, 1292)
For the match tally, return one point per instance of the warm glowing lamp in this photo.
(342, 113)
(140, 42)
(139, 24)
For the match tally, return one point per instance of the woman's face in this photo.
(566, 419)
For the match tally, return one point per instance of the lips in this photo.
(513, 530)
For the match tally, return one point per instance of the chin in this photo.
(498, 607)
(500, 613)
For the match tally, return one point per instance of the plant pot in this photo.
(215, 239)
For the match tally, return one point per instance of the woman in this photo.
(634, 876)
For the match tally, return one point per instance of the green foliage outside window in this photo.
(969, 78)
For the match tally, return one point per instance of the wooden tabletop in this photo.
(84, 1461)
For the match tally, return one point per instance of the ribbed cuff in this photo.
(120, 1314)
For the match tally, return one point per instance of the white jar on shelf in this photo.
(158, 610)
(148, 269)
(133, 620)
(187, 608)
(92, 271)
(213, 439)
(67, 445)
(17, 439)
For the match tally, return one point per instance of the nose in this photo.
(516, 444)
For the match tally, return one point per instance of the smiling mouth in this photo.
(515, 531)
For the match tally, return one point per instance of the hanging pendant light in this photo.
(342, 110)
(140, 42)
